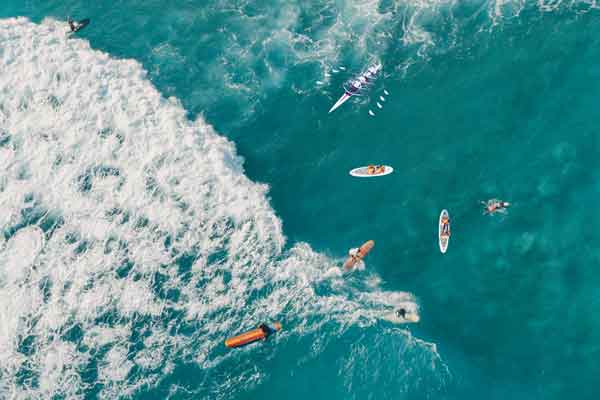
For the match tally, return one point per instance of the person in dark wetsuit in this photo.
(72, 24)
(266, 330)
(401, 313)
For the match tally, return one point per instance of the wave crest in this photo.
(157, 246)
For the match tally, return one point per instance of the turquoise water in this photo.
(486, 100)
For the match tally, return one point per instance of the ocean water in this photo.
(170, 177)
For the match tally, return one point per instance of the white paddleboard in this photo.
(363, 172)
(443, 239)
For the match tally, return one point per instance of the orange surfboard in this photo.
(364, 250)
(249, 337)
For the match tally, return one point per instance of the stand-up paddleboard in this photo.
(411, 317)
(443, 238)
(252, 336)
(363, 172)
(79, 25)
(362, 252)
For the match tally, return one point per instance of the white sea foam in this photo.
(20, 253)
(125, 188)
(399, 351)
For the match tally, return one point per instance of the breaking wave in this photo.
(136, 244)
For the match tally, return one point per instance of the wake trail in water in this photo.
(135, 241)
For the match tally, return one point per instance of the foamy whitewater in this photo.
(107, 193)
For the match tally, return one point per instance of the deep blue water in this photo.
(483, 103)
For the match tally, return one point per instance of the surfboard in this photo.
(364, 250)
(250, 336)
(443, 239)
(363, 172)
(411, 317)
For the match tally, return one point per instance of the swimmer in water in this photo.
(493, 206)
(355, 254)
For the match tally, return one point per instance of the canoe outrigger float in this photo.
(356, 85)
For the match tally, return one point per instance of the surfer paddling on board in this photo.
(356, 255)
(261, 333)
(267, 330)
(493, 206)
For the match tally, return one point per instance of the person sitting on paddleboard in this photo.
(494, 205)
(445, 226)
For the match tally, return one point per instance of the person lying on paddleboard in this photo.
(494, 205)
(445, 226)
